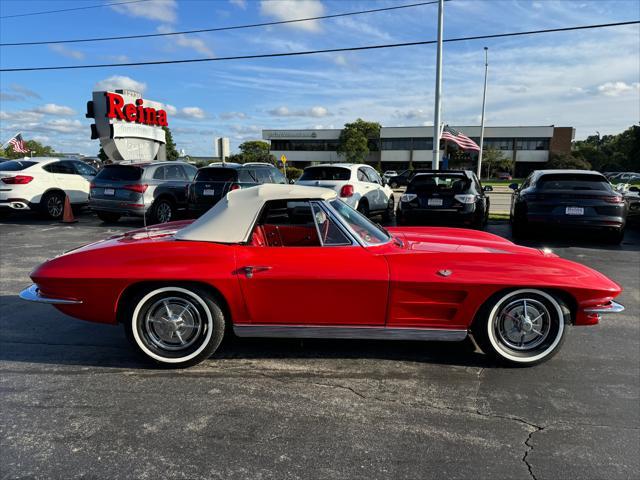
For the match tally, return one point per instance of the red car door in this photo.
(290, 278)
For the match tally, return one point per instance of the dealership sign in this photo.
(128, 126)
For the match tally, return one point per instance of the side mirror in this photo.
(292, 181)
(487, 188)
(513, 186)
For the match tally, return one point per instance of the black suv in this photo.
(439, 196)
(214, 182)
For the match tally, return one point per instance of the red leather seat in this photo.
(257, 238)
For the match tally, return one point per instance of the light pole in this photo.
(484, 99)
(435, 162)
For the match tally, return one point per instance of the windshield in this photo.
(326, 173)
(438, 183)
(361, 225)
(120, 173)
(216, 174)
(575, 181)
(15, 165)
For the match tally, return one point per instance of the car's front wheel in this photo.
(52, 204)
(521, 327)
(175, 326)
(162, 211)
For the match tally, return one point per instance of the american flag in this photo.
(18, 145)
(459, 139)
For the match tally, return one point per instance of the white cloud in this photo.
(66, 52)
(413, 114)
(121, 82)
(185, 41)
(230, 115)
(118, 58)
(284, 111)
(160, 10)
(239, 3)
(22, 90)
(292, 9)
(614, 89)
(171, 110)
(195, 113)
(53, 109)
(340, 60)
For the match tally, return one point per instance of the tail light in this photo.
(17, 180)
(466, 198)
(233, 187)
(137, 187)
(615, 199)
(346, 191)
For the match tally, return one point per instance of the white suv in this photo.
(358, 185)
(41, 183)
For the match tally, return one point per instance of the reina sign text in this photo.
(117, 109)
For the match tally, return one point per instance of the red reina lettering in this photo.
(116, 108)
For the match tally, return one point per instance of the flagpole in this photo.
(484, 99)
(435, 163)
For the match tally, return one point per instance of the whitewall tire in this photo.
(521, 327)
(175, 326)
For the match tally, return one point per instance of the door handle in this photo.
(249, 270)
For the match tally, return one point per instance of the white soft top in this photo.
(231, 219)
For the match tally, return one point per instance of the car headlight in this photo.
(467, 198)
(407, 197)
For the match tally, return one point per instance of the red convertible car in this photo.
(178, 288)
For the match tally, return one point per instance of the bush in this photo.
(293, 173)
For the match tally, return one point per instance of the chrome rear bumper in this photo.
(32, 294)
(611, 307)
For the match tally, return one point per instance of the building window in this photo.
(498, 143)
(418, 143)
(532, 144)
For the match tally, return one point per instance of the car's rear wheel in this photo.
(390, 212)
(108, 217)
(52, 204)
(162, 211)
(175, 326)
(521, 327)
(363, 207)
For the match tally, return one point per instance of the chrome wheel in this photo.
(55, 205)
(523, 324)
(173, 323)
(521, 327)
(164, 212)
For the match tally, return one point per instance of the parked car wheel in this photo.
(390, 212)
(52, 204)
(614, 237)
(175, 326)
(162, 211)
(521, 327)
(108, 217)
(363, 207)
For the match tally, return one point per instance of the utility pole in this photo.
(484, 99)
(435, 163)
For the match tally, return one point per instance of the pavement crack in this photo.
(528, 450)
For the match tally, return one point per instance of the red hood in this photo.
(460, 240)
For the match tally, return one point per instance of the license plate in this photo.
(574, 211)
(434, 202)
(109, 191)
(208, 191)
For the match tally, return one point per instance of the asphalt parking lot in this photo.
(75, 401)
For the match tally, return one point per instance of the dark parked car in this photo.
(214, 182)
(568, 198)
(157, 190)
(445, 196)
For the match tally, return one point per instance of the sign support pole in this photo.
(435, 163)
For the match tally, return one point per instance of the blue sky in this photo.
(586, 79)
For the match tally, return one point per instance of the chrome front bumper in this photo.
(611, 307)
(32, 294)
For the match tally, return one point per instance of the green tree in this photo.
(172, 153)
(567, 161)
(102, 156)
(357, 139)
(255, 151)
(495, 161)
(611, 152)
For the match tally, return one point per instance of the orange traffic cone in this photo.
(67, 214)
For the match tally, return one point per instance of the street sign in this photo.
(283, 159)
